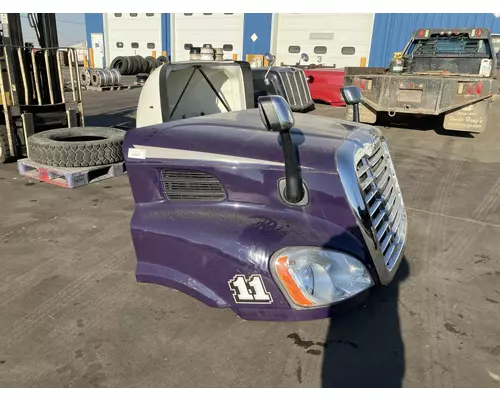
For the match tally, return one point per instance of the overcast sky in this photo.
(70, 29)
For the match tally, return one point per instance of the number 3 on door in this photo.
(249, 290)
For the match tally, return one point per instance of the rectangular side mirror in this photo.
(351, 94)
(275, 113)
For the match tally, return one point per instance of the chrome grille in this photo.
(187, 185)
(296, 88)
(384, 203)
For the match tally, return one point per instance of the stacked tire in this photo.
(133, 65)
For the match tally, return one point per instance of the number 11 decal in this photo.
(249, 290)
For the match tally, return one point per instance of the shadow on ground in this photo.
(364, 347)
(123, 118)
(424, 123)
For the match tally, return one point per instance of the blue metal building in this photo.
(391, 31)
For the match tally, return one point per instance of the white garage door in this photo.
(340, 39)
(219, 30)
(129, 34)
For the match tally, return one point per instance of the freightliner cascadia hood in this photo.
(208, 207)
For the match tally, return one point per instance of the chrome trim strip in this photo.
(305, 86)
(371, 195)
(382, 230)
(297, 84)
(291, 89)
(367, 182)
(153, 152)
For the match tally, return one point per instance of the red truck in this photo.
(325, 84)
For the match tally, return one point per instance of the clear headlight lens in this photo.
(315, 277)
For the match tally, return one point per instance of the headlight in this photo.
(313, 277)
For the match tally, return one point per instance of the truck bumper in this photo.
(421, 95)
(471, 117)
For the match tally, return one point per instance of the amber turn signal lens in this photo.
(291, 287)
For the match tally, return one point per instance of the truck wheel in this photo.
(77, 147)
(4, 145)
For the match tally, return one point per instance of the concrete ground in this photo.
(72, 315)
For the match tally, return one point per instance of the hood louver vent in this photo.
(187, 185)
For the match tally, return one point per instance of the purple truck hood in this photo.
(208, 208)
(317, 138)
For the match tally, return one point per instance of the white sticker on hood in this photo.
(137, 153)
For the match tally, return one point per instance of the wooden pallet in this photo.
(69, 177)
(111, 88)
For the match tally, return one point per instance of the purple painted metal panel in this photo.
(198, 247)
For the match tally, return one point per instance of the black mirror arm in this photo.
(294, 191)
(352, 97)
(355, 112)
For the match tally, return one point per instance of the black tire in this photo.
(141, 78)
(138, 63)
(77, 147)
(4, 145)
(162, 59)
(131, 65)
(144, 65)
(151, 63)
(121, 64)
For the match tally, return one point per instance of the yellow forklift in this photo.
(34, 93)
